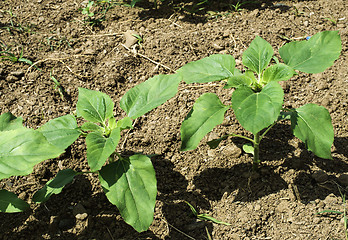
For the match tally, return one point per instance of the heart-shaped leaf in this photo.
(61, 131)
(99, 148)
(312, 124)
(256, 111)
(207, 112)
(94, 106)
(150, 94)
(314, 55)
(277, 72)
(213, 68)
(258, 55)
(130, 184)
(21, 149)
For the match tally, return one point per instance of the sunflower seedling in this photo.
(257, 100)
(129, 182)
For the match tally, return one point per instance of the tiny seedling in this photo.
(129, 182)
(344, 213)
(57, 86)
(139, 38)
(257, 100)
(333, 21)
(6, 54)
(205, 217)
(95, 11)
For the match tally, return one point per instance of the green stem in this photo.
(240, 136)
(256, 160)
(265, 132)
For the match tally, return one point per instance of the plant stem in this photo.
(256, 160)
(240, 136)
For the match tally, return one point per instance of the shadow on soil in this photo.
(250, 186)
(197, 11)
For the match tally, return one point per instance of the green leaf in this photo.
(314, 55)
(21, 149)
(207, 112)
(213, 68)
(312, 124)
(54, 186)
(94, 106)
(192, 209)
(256, 111)
(277, 72)
(91, 127)
(150, 94)
(99, 148)
(10, 122)
(248, 148)
(130, 184)
(61, 131)
(258, 55)
(215, 142)
(125, 123)
(10, 203)
(206, 217)
(245, 79)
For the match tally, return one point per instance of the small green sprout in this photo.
(205, 217)
(140, 39)
(57, 86)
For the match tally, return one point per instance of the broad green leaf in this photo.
(61, 131)
(54, 186)
(125, 123)
(215, 142)
(312, 124)
(10, 122)
(258, 55)
(131, 185)
(314, 55)
(21, 149)
(10, 203)
(213, 68)
(94, 106)
(207, 112)
(256, 111)
(245, 79)
(248, 148)
(99, 148)
(150, 94)
(91, 127)
(277, 72)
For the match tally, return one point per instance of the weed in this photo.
(57, 86)
(205, 217)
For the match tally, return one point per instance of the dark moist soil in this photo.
(278, 202)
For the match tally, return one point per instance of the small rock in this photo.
(80, 212)
(226, 34)
(320, 176)
(217, 46)
(316, 220)
(11, 79)
(232, 151)
(81, 216)
(22, 195)
(18, 74)
(130, 38)
(343, 179)
(306, 23)
(330, 199)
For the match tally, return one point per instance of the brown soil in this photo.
(279, 202)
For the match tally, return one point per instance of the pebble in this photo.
(320, 176)
(11, 78)
(343, 179)
(80, 212)
(18, 74)
(306, 23)
(232, 151)
(130, 39)
(217, 46)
